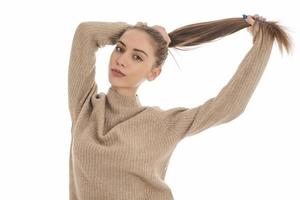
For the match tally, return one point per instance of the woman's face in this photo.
(133, 55)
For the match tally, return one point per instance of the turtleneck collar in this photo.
(118, 100)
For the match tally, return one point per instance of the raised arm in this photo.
(88, 37)
(231, 101)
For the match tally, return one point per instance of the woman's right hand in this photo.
(251, 20)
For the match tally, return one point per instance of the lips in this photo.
(116, 70)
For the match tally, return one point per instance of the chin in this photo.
(115, 81)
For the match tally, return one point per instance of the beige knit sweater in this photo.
(120, 149)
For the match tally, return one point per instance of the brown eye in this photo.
(139, 58)
(117, 47)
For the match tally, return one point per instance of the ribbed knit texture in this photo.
(120, 149)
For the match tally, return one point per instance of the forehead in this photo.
(138, 39)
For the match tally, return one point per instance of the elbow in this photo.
(236, 113)
(82, 31)
(232, 114)
(82, 27)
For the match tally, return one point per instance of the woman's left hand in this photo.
(163, 32)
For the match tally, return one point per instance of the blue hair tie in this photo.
(245, 16)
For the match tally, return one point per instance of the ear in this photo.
(155, 71)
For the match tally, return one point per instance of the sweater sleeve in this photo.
(88, 37)
(231, 101)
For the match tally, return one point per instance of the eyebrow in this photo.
(134, 48)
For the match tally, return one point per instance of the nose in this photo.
(121, 60)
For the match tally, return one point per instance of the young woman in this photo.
(120, 149)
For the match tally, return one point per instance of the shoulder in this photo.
(156, 112)
(165, 114)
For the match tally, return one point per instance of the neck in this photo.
(120, 101)
(131, 92)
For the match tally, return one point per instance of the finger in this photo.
(250, 20)
(256, 15)
(261, 18)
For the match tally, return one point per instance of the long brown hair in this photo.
(203, 32)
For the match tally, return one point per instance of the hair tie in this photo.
(245, 16)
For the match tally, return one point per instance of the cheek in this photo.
(111, 60)
(135, 73)
(112, 57)
(142, 72)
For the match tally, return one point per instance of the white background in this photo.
(256, 156)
